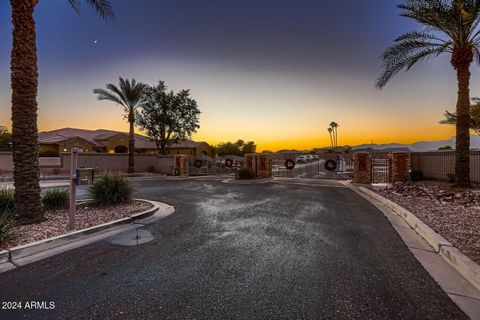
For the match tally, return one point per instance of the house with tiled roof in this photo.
(52, 143)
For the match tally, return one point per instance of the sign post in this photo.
(73, 188)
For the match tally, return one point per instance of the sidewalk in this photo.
(43, 184)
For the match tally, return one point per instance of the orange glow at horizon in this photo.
(262, 110)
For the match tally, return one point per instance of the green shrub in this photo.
(416, 175)
(110, 189)
(7, 200)
(7, 222)
(245, 173)
(55, 199)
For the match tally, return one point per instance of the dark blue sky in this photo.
(240, 57)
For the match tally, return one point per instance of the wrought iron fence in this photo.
(380, 167)
(335, 166)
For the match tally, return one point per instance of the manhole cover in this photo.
(132, 238)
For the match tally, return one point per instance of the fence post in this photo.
(73, 188)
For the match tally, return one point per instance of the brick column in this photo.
(362, 167)
(264, 166)
(181, 164)
(398, 164)
(250, 161)
(261, 164)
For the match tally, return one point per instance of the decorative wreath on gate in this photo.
(330, 165)
(289, 164)
(228, 163)
(198, 163)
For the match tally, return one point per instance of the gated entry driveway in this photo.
(259, 251)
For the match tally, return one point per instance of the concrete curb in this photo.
(248, 181)
(9, 256)
(464, 265)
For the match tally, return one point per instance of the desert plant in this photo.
(416, 175)
(55, 199)
(245, 173)
(7, 222)
(110, 189)
(7, 200)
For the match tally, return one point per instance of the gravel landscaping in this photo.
(453, 213)
(56, 222)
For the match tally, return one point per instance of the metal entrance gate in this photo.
(380, 167)
(332, 166)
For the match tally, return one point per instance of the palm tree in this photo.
(451, 117)
(330, 130)
(447, 27)
(129, 95)
(334, 127)
(24, 82)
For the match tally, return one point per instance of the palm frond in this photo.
(103, 7)
(408, 50)
(106, 95)
(75, 5)
(128, 94)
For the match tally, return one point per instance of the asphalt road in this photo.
(264, 251)
(313, 169)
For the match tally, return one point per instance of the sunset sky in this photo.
(273, 71)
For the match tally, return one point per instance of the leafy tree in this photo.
(129, 95)
(447, 26)
(5, 139)
(445, 148)
(451, 117)
(24, 82)
(249, 147)
(168, 117)
(239, 148)
(228, 148)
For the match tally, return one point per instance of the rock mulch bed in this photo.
(56, 222)
(453, 213)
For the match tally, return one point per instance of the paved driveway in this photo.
(264, 251)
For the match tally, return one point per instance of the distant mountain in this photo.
(421, 145)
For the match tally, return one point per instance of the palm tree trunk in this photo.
(131, 143)
(462, 149)
(24, 81)
(331, 139)
(336, 138)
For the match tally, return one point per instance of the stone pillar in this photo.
(362, 170)
(250, 161)
(261, 164)
(264, 166)
(181, 164)
(398, 164)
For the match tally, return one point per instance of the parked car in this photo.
(302, 159)
(316, 157)
(309, 158)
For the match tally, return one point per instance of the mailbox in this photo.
(85, 176)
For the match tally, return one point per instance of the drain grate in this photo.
(132, 238)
